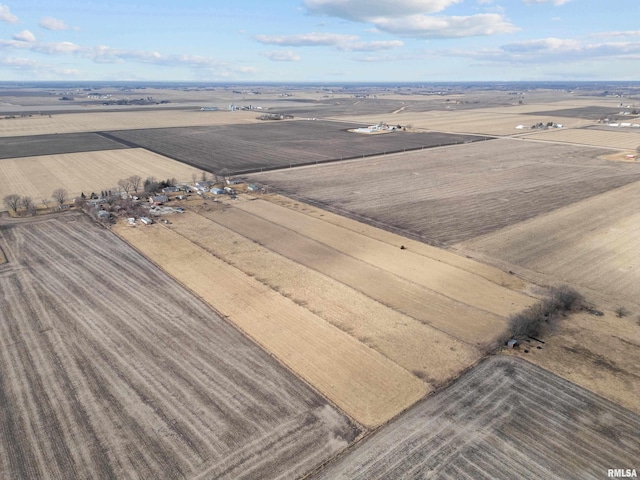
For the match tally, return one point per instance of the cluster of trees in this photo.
(15, 202)
(538, 318)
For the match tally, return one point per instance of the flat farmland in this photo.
(31, 146)
(346, 309)
(110, 369)
(362, 382)
(592, 244)
(276, 143)
(590, 112)
(97, 121)
(86, 172)
(505, 418)
(477, 122)
(622, 139)
(452, 194)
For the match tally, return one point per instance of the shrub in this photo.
(621, 312)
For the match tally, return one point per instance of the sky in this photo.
(319, 40)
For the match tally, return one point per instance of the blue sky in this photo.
(320, 40)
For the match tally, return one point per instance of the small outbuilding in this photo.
(146, 220)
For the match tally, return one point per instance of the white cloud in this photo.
(40, 70)
(554, 2)
(281, 56)
(626, 33)
(307, 39)
(552, 50)
(50, 23)
(25, 36)
(410, 18)
(6, 15)
(374, 46)
(338, 41)
(366, 10)
(422, 26)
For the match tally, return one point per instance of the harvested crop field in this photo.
(333, 282)
(590, 112)
(96, 121)
(86, 172)
(622, 139)
(447, 195)
(477, 122)
(505, 418)
(276, 144)
(110, 369)
(593, 245)
(31, 146)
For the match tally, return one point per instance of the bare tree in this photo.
(12, 202)
(134, 181)
(27, 204)
(125, 185)
(203, 176)
(60, 196)
(46, 202)
(194, 177)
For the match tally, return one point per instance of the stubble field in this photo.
(86, 172)
(451, 194)
(592, 244)
(109, 369)
(391, 316)
(97, 121)
(505, 418)
(276, 143)
(622, 139)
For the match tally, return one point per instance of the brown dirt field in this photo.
(592, 245)
(504, 419)
(96, 121)
(86, 172)
(427, 352)
(362, 382)
(601, 354)
(110, 369)
(622, 139)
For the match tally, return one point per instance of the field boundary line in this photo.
(436, 293)
(243, 332)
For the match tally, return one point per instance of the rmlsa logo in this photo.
(622, 473)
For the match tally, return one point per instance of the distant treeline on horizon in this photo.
(497, 85)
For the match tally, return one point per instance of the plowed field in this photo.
(504, 419)
(450, 194)
(109, 369)
(593, 244)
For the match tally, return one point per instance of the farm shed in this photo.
(217, 191)
(158, 199)
(146, 220)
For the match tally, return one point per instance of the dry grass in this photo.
(426, 351)
(95, 121)
(601, 354)
(361, 381)
(39, 176)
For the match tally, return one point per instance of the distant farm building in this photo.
(158, 199)
(146, 220)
